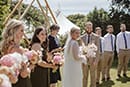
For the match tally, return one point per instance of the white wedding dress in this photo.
(72, 69)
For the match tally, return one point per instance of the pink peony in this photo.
(7, 60)
(57, 59)
(32, 56)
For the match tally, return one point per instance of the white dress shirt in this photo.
(120, 42)
(107, 42)
(102, 44)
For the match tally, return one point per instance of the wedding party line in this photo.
(45, 62)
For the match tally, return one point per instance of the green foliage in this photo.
(33, 17)
(99, 18)
(4, 11)
(79, 20)
(120, 13)
(63, 39)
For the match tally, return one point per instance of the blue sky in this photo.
(75, 6)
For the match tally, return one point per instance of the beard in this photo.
(88, 32)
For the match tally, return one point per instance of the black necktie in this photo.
(88, 38)
(125, 40)
(112, 43)
(100, 45)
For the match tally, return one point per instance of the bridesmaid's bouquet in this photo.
(13, 60)
(11, 65)
(90, 50)
(33, 56)
(57, 60)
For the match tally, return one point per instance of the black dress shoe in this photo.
(97, 83)
(103, 79)
(108, 78)
(125, 75)
(119, 76)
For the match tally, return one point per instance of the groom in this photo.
(87, 38)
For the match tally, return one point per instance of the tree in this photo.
(33, 17)
(99, 18)
(4, 11)
(120, 13)
(79, 20)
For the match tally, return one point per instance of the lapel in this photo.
(93, 39)
(84, 38)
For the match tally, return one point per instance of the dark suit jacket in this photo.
(52, 43)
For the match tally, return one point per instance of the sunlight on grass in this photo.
(114, 82)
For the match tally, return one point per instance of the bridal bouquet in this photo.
(90, 50)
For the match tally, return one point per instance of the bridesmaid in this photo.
(40, 75)
(12, 35)
(53, 44)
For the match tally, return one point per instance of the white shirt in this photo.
(120, 42)
(107, 42)
(102, 44)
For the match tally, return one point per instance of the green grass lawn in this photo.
(114, 82)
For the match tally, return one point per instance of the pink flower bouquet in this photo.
(33, 56)
(57, 60)
(7, 60)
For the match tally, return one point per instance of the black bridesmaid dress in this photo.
(23, 82)
(40, 75)
(53, 44)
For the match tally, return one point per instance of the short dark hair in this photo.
(54, 27)
(98, 28)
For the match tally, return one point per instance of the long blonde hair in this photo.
(9, 34)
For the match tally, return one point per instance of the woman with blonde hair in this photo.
(72, 70)
(11, 37)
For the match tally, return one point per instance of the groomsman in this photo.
(123, 50)
(87, 38)
(98, 31)
(109, 42)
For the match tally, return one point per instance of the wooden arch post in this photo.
(50, 11)
(7, 18)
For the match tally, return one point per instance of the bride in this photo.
(72, 70)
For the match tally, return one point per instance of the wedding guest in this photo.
(72, 70)
(109, 42)
(53, 44)
(12, 35)
(40, 75)
(98, 31)
(88, 38)
(123, 50)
